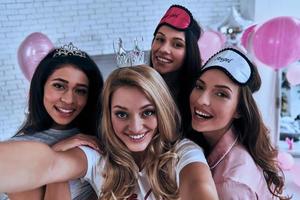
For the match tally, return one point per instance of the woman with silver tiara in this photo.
(63, 101)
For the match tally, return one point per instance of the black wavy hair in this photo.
(38, 119)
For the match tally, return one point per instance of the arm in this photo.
(37, 194)
(28, 165)
(196, 182)
(58, 191)
(61, 190)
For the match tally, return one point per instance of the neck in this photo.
(171, 77)
(173, 82)
(139, 159)
(212, 137)
(62, 127)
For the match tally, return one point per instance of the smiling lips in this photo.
(202, 115)
(136, 137)
(163, 60)
(65, 111)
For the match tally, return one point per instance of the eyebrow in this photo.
(142, 108)
(176, 38)
(217, 86)
(223, 87)
(65, 81)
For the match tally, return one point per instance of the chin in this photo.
(196, 128)
(137, 150)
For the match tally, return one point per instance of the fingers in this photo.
(75, 141)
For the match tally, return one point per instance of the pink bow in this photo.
(290, 142)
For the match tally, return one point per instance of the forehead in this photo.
(69, 72)
(130, 96)
(171, 32)
(63, 69)
(217, 77)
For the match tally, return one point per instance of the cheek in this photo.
(153, 123)
(154, 47)
(49, 98)
(50, 95)
(229, 112)
(193, 97)
(180, 55)
(46, 104)
(117, 125)
(82, 101)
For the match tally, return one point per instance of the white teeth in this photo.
(65, 110)
(163, 60)
(201, 114)
(137, 137)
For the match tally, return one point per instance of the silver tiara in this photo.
(69, 50)
(129, 58)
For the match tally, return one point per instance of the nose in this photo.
(165, 48)
(67, 97)
(203, 99)
(135, 125)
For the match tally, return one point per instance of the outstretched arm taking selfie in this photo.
(28, 165)
(196, 183)
(36, 194)
(61, 190)
(58, 191)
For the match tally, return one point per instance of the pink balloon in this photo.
(274, 42)
(297, 44)
(247, 34)
(293, 73)
(222, 37)
(210, 43)
(31, 51)
(296, 174)
(285, 160)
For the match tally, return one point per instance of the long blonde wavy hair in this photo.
(121, 171)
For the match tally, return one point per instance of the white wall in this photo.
(91, 25)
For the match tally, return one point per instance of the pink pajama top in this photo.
(235, 173)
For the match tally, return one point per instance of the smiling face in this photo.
(65, 95)
(213, 104)
(168, 50)
(133, 118)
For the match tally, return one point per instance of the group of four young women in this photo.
(143, 151)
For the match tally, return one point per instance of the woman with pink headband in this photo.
(175, 55)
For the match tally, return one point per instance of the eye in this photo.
(159, 39)
(81, 91)
(178, 45)
(199, 86)
(148, 113)
(121, 114)
(222, 94)
(58, 86)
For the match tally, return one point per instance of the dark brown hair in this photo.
(254, 135)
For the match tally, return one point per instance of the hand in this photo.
(77, 140)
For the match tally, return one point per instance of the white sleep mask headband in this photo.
(234, 63)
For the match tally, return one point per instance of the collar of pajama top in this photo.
(222, 148)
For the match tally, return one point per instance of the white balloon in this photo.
(293, 73)
(233, 25)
